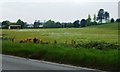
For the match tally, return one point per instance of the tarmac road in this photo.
(18, 63)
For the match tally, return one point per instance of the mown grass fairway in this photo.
(105, 59)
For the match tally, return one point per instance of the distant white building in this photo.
(14, 27)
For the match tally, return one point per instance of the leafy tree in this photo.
(76, 23)
(5, 24)
(64, 25)
(12, 23)
(83, 23)
(118, 20)
(37, 24)
(70, 25)
(0, 25)
(112, 20)
(58, 25)
(107, 16)
(94, 19)
(100, 15)
(89, 20)
(20, 22)
(49, 24)
(52, 24)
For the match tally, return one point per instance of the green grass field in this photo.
(83, 55)
(107, 32)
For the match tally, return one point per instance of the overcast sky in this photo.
(58, 10)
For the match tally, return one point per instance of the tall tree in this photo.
(50, 24)
(64, 25)
(0, 25)
(58, 25)
(83, 23)
(107, 16)
(69, 25)
(112, 20)
(118, 20)
(37, 24)
(94, 19)
(20, 22)
(76, 23)
(5, 24)
(100, 15)
(89, 20)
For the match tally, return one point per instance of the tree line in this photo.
(101, 16)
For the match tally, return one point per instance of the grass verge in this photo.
(61, 53)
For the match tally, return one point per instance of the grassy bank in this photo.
(94, 47)
(61, 53)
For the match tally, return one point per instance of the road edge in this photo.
(53, 63)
